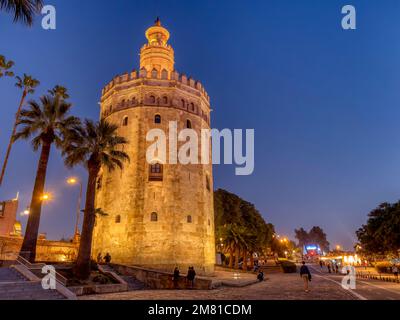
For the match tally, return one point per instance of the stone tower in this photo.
(160, 215)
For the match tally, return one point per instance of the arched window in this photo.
(152, 99)
(133, 101)
(154, 74)
(157, 119)
(143, 73)
(125, 121)
(188, 124)
(164, 74)
(183, 103)
(156, 172)
(118, 219)
(189, 219)
(165, 100)
(192, 107)
(123, 103)
(154, 217)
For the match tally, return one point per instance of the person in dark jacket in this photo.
(175, 278)
(260, 276)
(107, 258)
(190, 277)
(305, 274)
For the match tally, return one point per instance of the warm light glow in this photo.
(72, 181)
(45, 197)
(337, 247)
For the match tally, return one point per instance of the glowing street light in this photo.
(45, 197)
(74, 181)
(338, 247)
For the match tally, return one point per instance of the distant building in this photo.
(9, 226)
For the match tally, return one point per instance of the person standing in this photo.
(175, 278)
(329, 267)
(190, 277)
(395, 271)
(305, 274)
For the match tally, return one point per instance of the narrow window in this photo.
(152, 99)
(183, 103)
(154, 74)
(125, 122)
(208, 186)
(164, 74)
(118, 219)
(165, 100)
(189, 219)
(188, 124)
(192, 107)
(156, 172)
(157, 119)
(154, 217)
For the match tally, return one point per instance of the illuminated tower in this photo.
(159, 215)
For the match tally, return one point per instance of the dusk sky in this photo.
(324, 102)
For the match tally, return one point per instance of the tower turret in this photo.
(157, 54)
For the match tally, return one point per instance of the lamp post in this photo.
(74, 181)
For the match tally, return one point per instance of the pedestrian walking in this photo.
(320, 263)
(329, 267)
(305, 274)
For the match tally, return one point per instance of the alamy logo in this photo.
(196, 150)
(49, 19)
(349, 280)
(49, 280)
(349, 20)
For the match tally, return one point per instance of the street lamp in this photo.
(74, 181)
(45, 197)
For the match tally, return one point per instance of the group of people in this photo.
(106, 259)
(332, 267)
(190, 276)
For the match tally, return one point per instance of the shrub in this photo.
(383, 267)
(101, 279)
(288, 266)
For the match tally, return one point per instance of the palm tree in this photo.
(23, 10)
(96, 145)
(5, 67)
(28, 85)
(59, 91)
(48, 121)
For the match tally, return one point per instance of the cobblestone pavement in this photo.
(277, 287)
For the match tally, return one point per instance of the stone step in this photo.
(27, 291)
(10, 275)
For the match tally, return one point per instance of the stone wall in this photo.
(8, 214)
(47, 251)
(156, 279)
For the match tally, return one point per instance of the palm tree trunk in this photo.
(244, 259)
(251, 259)
(3, 170)
(237, 255)
(83, 267)
(28, 249)
(231, 257)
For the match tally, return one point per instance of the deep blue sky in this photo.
(324, 102)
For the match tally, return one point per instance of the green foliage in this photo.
(288, 266)
(383, 267)
(240, 224)
(381, 234)
(23, 10)
(5, 67)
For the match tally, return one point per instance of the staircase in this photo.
(27, 290)
(10, 275)
(132, 282)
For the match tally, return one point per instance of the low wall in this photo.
(156, 279)
(46, 251)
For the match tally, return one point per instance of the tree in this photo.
(23, 10)
(381, 234)
(28, 85)
(48, 121)
(316, 236)
(60, 91)
(241, 227)
(94, 145)
(5, 67)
